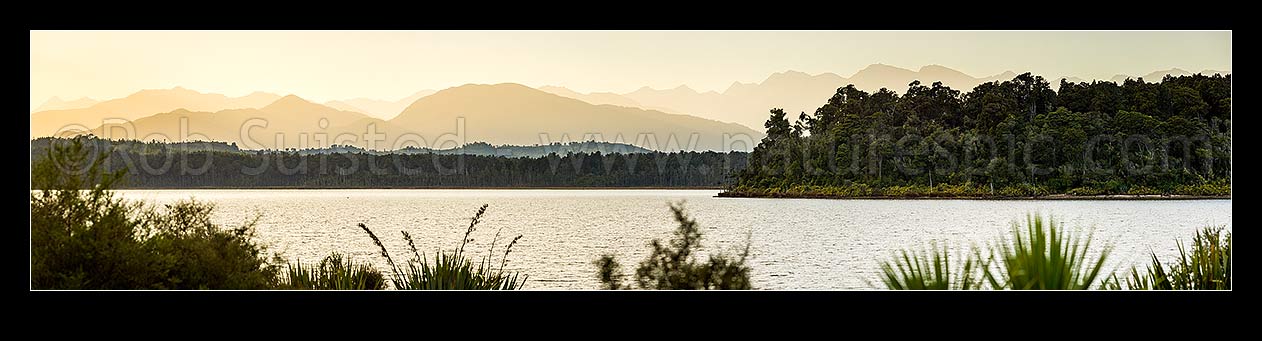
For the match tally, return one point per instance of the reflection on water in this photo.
(797, 243)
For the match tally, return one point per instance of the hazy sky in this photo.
(327, 65)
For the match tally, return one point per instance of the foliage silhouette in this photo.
(452, 271)
(334, 273)
(674, 266)
(1044, 257)
(931, 270)
(1206, 267)
(84, 237)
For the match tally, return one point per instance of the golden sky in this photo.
(328, 65)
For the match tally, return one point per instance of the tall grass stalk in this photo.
(1045, 257)
(930, 270)
(456, 270)
(1207, 266)
(334, 273)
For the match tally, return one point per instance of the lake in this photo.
(797, 244)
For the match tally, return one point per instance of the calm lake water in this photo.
(797, 244)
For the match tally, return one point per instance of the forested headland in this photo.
(221, 165)
(1017, 138)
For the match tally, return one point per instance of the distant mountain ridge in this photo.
(509, 113)
(748, 103)
(142, 104)
(378, 108)
(501, 114)
(56, 103)
(287, 122)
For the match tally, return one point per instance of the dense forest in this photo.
(1011, 138)
(219, 165)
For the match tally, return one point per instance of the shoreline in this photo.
(727, 194)
(444, 188)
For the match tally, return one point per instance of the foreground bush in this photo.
(930, 270)
(1045, 257)
(83, 237)
(675, 267)
(1206, 267)
(334, 273)
(452, 271)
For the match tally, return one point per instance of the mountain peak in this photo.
(57, 103)
(511, 113)
(880, 69)
(291, 98)
(292, 103)
(935, 67)
(792, 73)
(789, 75)
(882, 66)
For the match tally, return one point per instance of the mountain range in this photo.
(502, 113)
(141, 104)
(748, 103)
(382, 109)
(505, 114)
(56, 103)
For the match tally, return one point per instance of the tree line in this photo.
(1016, 137)
(207, 164)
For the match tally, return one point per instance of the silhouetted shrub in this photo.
(1206, 267)
(1045, 257)
(83, 237)
(675, 267)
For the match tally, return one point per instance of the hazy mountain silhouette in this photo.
(516, 114)
(141, 104)
(509, 113)
(56, 103)
(503, 114)
(602, 98)
(296, 120)
(378, 108)
(748, 103)
(1157, 76)
(681, 99)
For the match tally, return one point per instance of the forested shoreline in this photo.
(156, 165)
(1010, 139)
